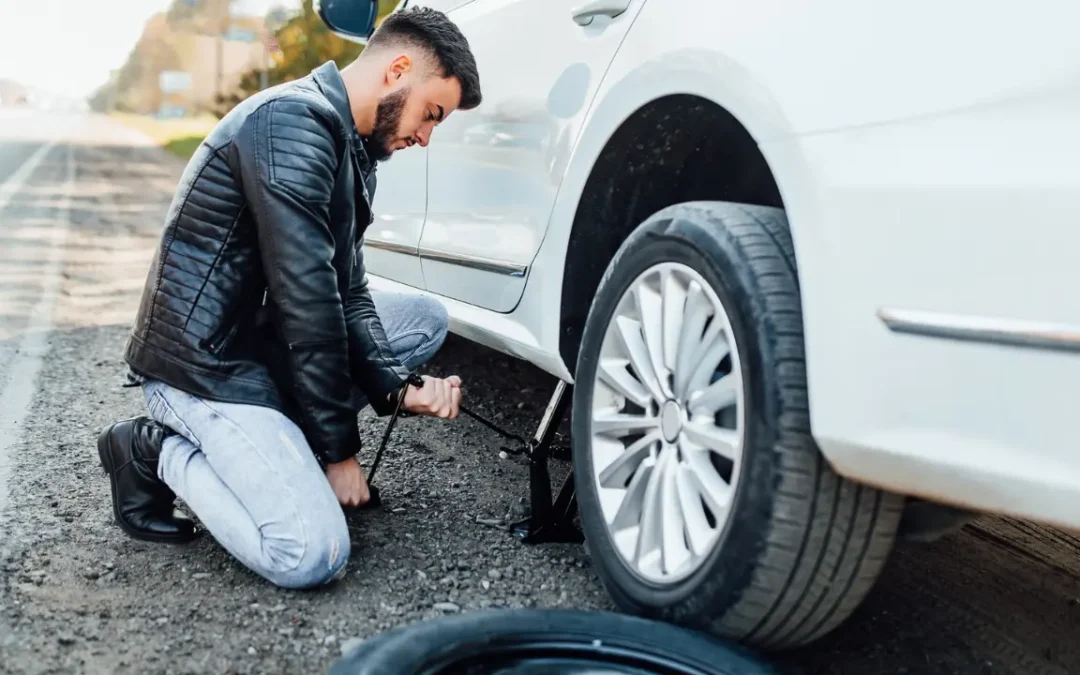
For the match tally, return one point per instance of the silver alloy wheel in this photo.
(667, 423)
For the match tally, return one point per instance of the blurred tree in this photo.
(161, 46)
(135, 87)
(199, 16)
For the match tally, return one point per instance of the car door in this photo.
(494, 172)
(391, 242)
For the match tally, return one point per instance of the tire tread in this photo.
(842, 544)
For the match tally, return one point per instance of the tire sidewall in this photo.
(676, 234)
(436, 644)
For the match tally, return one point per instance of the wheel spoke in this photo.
(619, 424)
(616, 474)
(674, 306)
(708, 436)
(697, 311)
(629, 513)
(704, 367)
(630, 333)
(649, 537)
(675, 552)
(614, 374)
(698, 531)
(713, 489)
(721, 394)
(650, 307)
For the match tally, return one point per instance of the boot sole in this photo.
(105, 455)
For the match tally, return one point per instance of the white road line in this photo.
(15, 182)
(18, 391)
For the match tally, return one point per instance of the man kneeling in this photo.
(257, 340)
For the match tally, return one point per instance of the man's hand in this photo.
(437, 398)
(348, 482)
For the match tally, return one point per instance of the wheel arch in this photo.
(659, 135)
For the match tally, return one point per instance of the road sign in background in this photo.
(173, 81)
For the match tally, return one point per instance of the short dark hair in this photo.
(432, 30)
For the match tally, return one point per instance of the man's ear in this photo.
(399, 66)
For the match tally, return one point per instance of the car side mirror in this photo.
(353, 20)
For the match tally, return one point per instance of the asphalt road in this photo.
(81, 203)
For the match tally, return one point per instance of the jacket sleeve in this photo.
(376, 370)
(288, 163)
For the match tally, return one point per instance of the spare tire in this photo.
(552, 642)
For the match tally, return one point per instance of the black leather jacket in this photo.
(257, 293)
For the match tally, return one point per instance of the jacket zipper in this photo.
(221, 336)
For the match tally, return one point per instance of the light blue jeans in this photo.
(249, 475)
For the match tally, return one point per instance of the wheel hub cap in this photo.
(671, 421)
(667, 423)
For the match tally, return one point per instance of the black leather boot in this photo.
(142, 502)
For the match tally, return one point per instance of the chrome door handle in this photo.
(583, 14)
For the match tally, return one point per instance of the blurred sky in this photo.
(68, 47)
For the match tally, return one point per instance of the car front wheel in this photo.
(704, 499)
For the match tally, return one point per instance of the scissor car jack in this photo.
(547, 521)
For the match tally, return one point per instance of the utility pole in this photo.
(271, 25)
(264, 73)
(219, 76)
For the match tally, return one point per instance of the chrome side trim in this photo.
(474, 262)
(1014, 333)
(390, 246)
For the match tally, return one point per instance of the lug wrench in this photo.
(416, 381)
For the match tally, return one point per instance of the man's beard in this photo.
(387, 121)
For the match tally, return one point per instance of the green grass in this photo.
(184, 147)
(178, 136)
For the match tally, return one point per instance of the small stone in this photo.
(162, 620)
(486, 584)
(422, 574)
(503, 455)
(399, 509)
(252, 651)
(448, 607)
(201, 575)
(495, 574)
(66, 639)
(330, 639)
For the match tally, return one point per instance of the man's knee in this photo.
(436, 319)
(431, 318)
(323, 558)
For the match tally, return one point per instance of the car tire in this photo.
(801, 546)
(535, 641)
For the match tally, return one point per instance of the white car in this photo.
(810, 265)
